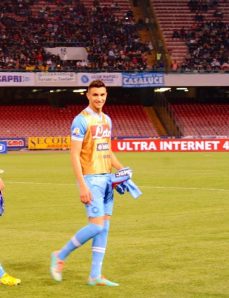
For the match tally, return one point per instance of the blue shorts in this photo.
(102, 194)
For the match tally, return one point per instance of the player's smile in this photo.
(99, 103)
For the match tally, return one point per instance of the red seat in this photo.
(43, 120)
(203, 119)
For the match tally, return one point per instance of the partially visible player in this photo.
(5, 278)
(92, 160)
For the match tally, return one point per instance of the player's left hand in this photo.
(121, 188)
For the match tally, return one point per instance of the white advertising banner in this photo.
(16, 79)
(110, 79)
(195, 80)
(69, 53)
(55, 79)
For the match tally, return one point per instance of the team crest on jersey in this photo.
(76, 131)
(100, 131)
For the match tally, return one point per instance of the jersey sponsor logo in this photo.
(102, 146)
(100, 131)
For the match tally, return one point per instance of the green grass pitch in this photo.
(171, 242)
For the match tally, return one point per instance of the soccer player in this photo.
(5, 278)
(92, 160)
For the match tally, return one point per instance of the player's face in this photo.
(97, 98)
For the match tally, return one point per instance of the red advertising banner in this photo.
(171, 145)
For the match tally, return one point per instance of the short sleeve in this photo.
(78, 128)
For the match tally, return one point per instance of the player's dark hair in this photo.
(96, 84)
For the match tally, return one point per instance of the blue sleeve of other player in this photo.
(78, 128)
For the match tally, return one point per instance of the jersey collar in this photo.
(90, 111)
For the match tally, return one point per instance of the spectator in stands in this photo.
(81, 64)
(225, 66)
(213, 3)
(218, 14)
(183, 33)
(114, 6)
(176, 34)
(199, 17)
(174, 65)
(215, 64)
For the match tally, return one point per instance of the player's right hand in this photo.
(85, 195)
(121, 188)
(1, 184)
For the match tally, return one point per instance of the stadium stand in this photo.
(195, 33)
(110, 36)
(202, 119)
(44, 120)
(131, 121)
(118, 7)
(172, 15)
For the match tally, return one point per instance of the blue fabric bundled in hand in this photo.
(129, 186)
(1, 204)
(121, 188)
(122, 182)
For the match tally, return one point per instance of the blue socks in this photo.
(2, 271)
(99, 243)
(98, 250)
(79, 239)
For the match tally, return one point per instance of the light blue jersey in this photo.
(94, 131)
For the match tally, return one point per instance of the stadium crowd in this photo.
(207, 40)
(112, 43)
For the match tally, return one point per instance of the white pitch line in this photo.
(141, 186)
(183, 188)
(39, 183)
